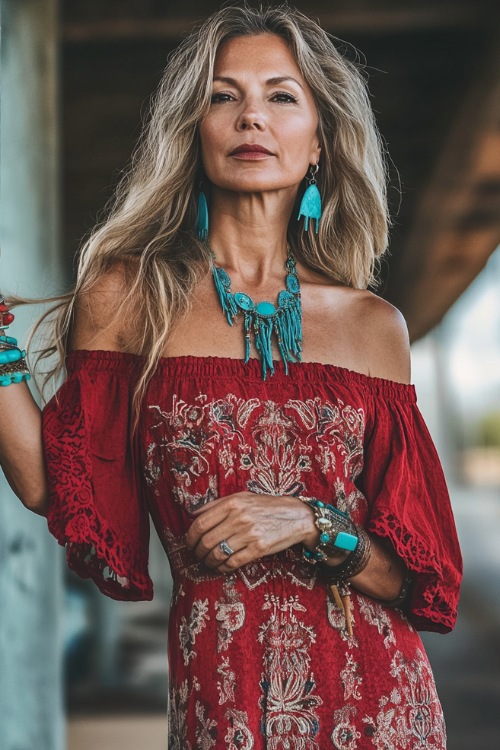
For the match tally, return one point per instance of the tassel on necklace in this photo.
(264, 319)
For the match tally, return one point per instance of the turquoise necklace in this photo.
(285, 319)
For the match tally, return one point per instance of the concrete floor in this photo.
(117, 733)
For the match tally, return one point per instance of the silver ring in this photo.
(224, 547)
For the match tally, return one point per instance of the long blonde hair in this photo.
(150, 226)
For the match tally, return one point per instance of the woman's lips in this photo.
(252, 155)
(250, 152)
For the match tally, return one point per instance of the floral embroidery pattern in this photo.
(189, 437)
(238, 736)
(206, 733)
(288, 703)
(228, 684)
(189, 629)
(187, 443)
(230, 615)
(178, 698)
(411, 716)
(351, 679)
(340, 421)
(376, 615)
(345, 734)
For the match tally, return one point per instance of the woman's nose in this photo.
(251, 117)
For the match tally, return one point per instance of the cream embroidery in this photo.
(238, 735)
(288, 701)
(206, 732)
(376, 615)
(411, 716)
(189, 629)
(192, 439)
(345, 735)
(230, 614)
(228, 684)
(351, 679)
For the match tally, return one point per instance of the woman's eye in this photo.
(220, 97)
(284, 98)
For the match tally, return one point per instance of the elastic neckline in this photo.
(227, 367)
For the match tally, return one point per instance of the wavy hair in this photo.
(150, 226)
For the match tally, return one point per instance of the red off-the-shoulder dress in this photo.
(261, 658)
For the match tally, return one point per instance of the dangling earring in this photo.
(310, 206)
(202, 218)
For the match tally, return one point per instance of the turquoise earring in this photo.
(310, 206)
(202, 218)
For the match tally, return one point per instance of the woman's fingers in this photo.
(253, 525)
(218, 556)
(214, 514)
(209, 542)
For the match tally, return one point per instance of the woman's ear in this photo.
(315, 152)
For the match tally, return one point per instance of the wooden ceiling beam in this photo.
(366, 21)
(457, 221)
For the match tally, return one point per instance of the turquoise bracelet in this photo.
(13, 367)
(8, 340)
(14, 377)
(11, 355)
(337, 531)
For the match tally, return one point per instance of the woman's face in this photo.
(260, 99)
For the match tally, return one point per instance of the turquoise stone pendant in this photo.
(284, 320)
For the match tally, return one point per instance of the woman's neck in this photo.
(248, 234)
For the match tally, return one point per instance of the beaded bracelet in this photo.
(13, 366)
(337, 531)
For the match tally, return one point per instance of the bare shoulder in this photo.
(97, 323)
(384, 336)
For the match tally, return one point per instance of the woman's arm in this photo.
(21, 445)
(21, 453)
(388, 351)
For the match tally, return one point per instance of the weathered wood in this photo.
(456, 225)
(366, 21)
(171, 25)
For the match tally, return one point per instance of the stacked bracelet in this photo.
(353, 564)
(337, 531)
(13, 366)
(337, 576)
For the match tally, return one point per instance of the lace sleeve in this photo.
(97, 509)
(404, 483)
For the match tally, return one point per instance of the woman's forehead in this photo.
(267, 54)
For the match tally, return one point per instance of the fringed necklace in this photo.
(264, 318)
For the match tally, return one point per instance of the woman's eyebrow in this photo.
(275, 81)
(280, 79)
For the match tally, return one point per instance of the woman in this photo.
(298, 495)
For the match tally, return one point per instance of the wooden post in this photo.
(31, 714)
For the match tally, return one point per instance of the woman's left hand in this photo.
(253, 526)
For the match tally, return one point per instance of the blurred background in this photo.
(78, 670)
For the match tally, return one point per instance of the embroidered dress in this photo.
(261, 658)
